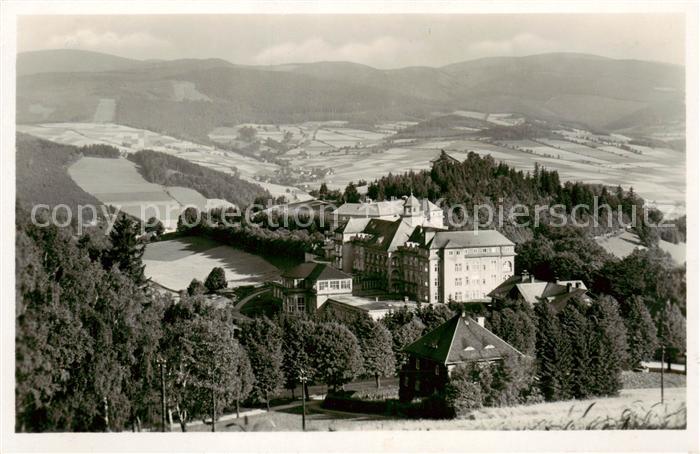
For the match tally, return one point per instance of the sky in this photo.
(375, 40)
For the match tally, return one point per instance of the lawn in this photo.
(174, 263)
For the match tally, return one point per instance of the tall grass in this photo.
(629, 419)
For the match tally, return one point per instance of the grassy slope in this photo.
(42, 176)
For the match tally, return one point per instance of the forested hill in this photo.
(167, 170)
(482, 180)
(189, 98)
(42, 174)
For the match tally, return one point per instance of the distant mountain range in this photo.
(191, 97)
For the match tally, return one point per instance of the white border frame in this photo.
(443, 441)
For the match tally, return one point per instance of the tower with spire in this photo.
(413, 211)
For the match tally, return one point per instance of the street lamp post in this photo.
(303, 378)
(663, 357)
(161, 363)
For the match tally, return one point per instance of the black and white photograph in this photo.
(366, 229)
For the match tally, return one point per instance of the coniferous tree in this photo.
(127, 251)
(515, 323)
(671, 331)
(607, 312)
(351, 195)
(216, 280)
(553, 355)
(196, 287)
(641, 333)
(576, 329)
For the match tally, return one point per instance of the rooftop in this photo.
(370, 304)
(459, 340)
(315, 272)
(469, 238)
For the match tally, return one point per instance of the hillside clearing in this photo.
(174, 263)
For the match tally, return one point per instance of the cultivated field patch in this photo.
(174, 263)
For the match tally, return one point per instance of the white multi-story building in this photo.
(427, 264)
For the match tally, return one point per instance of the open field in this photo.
(573, 415)
(624, 244)
(174, 263)
(118, 182)
(657, 174)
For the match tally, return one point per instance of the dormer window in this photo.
(468, 348)
(489, 347)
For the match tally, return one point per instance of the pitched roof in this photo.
(353, 225)
(557, 293)
(559, 302)
(460, 339)
(412, 201)
(469, 238)
(315, 272)
(387, 235)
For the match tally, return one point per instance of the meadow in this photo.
(174, 263)
(118, 182)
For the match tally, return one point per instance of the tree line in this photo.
(167, 170)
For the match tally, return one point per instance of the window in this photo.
(458, 267)
(484, 267)
(483, 281)
(458, 281)
(301, 305)
(437, 370)
(450, 253)
(466, 267)
(458, 296)
(456, 252)
(417, 363)
(417, 385)
(323, 285)
(345, 284)
(335, 285)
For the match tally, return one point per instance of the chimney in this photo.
(578, 284)
(480, 321)
(568, 287)
(376, 299)
(532, 278)
(464, 314)
(405, 299)
(524, 276)
(556, 279)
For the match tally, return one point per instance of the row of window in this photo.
(345, 284)
(506, 266)
(459, 296)
(483, 250)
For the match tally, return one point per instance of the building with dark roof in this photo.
(306, 287)
(525, 287)
(415, 211)
(433, 357)
(375, 308)
(427, 264)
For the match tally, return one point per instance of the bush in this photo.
(462, 394)
(216, 280)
